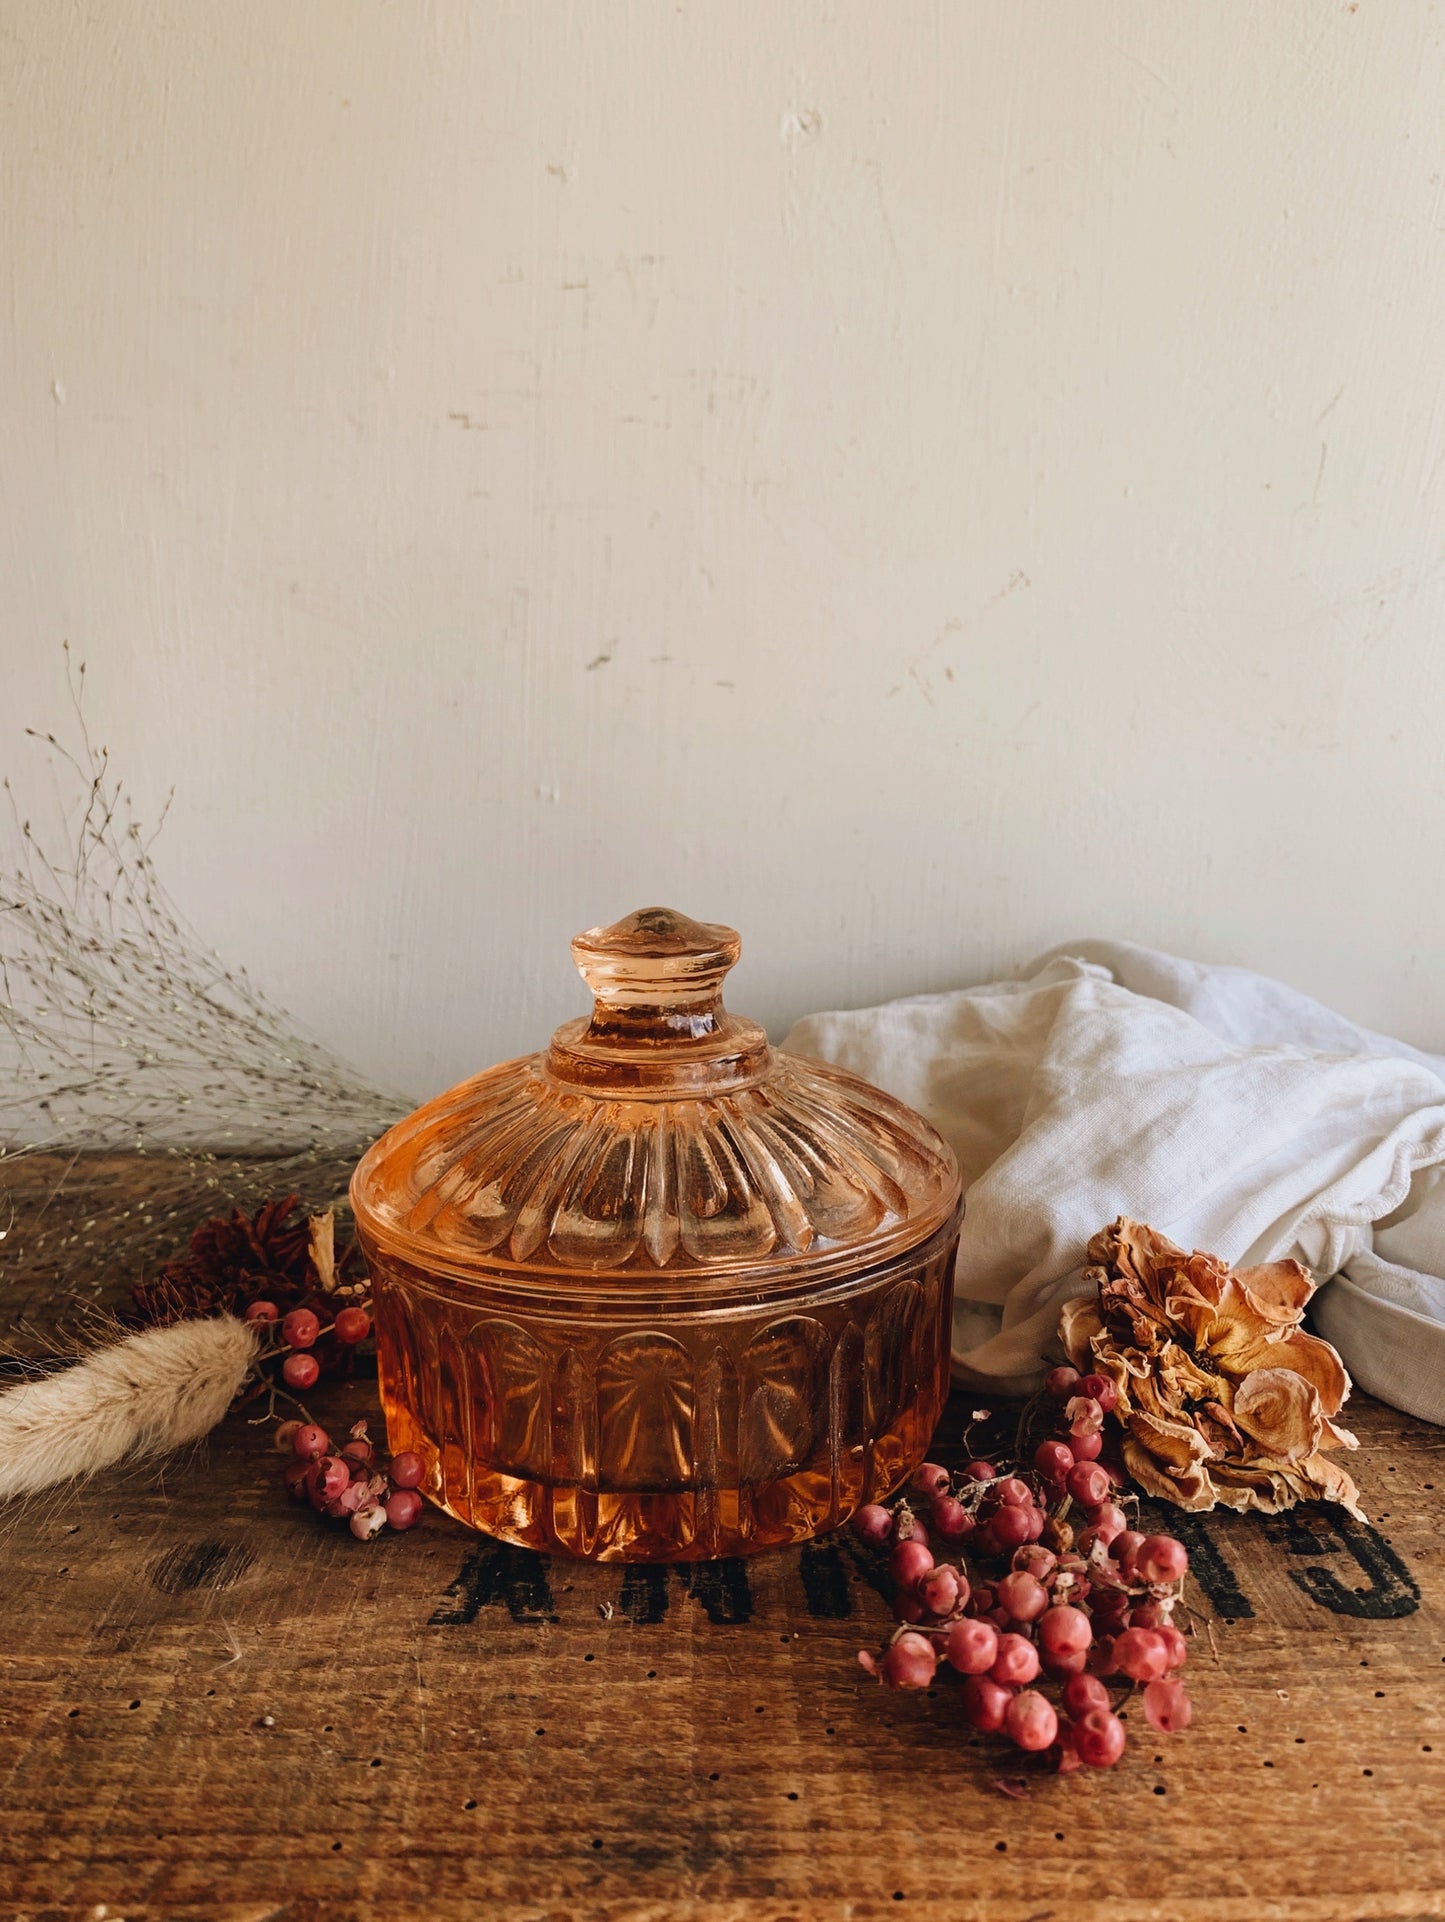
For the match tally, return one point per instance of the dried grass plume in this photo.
(140, 1396)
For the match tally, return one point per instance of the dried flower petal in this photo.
(1280, 1412)
(1223, 1397)
(321, 1234)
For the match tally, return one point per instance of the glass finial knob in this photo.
(656, 958)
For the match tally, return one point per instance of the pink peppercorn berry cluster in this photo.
(1038, 1605)
(346, 1483)
(299, 1333)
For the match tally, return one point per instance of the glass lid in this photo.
(660, 1137)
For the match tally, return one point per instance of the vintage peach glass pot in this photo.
(662, 1292)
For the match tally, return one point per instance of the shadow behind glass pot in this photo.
(661, 1292)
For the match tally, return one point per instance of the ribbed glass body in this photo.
(661, 1292)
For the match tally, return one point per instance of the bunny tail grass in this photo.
(139, 1396)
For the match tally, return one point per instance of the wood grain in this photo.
(213, 1704)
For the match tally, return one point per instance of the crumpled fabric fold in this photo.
(1229, 1111)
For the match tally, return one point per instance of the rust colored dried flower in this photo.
(1222, 1395)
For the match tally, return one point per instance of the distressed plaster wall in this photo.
(916, 482)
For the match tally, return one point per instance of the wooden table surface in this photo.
(215, 1704)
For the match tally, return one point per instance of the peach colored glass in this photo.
(662, 1292)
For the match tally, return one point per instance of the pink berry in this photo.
(1107, 1521)
(367, 1522)
(1087, 1444)
(330, 1475)
(1014, 1490)
(1064, 1630)
(1159, 1558)
(1061, 1667)
(980, 1471)
(301, 1371)
(1083, 1692)
(357, 1455)
(1023, 1596)
(407, 1469)
(910, 1662)
(1141, 1654)
(929, 1479)
(262, 1311)
(1100, 1389)
(294, 1475)
(300, 1328)
(1124, 1547)
(971, 1647)
(941, 1590)
(310, 1441)
(950, 1520)
(871, 1523)
(1053, 1459)
(1017, 1660)
(352, 1325)
(1099, 1738)
(1101, 1654)
(1176, 1644)
(1030, 1720)
(403, 1509)
(1037, 1520)
(1010, 1527)
(1088, 1484)
(1167, 1707)
(1150, 1614)
(907, 1562)
(1110, 1607)
(285, 1437)
(1039, 1562)
(908, 1526)
(985, 1703)
(1062, 1382)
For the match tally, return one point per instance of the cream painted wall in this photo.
(917, 482)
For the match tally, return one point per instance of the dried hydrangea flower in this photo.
(1222, 1395)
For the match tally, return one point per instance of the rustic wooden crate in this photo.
(214, 1704)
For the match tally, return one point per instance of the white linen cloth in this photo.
(1225, 1109)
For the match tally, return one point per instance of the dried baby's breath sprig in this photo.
(121, 1032)
(1222, 1395)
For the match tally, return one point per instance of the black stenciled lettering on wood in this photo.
(825, 1582)
(644, 1592)
(1305, 1531)
(721, 1588)
(1209, 1568)
(1393, 1590)
(499, 1575)
(869, 1563)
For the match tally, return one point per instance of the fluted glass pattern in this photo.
(661, 1291)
